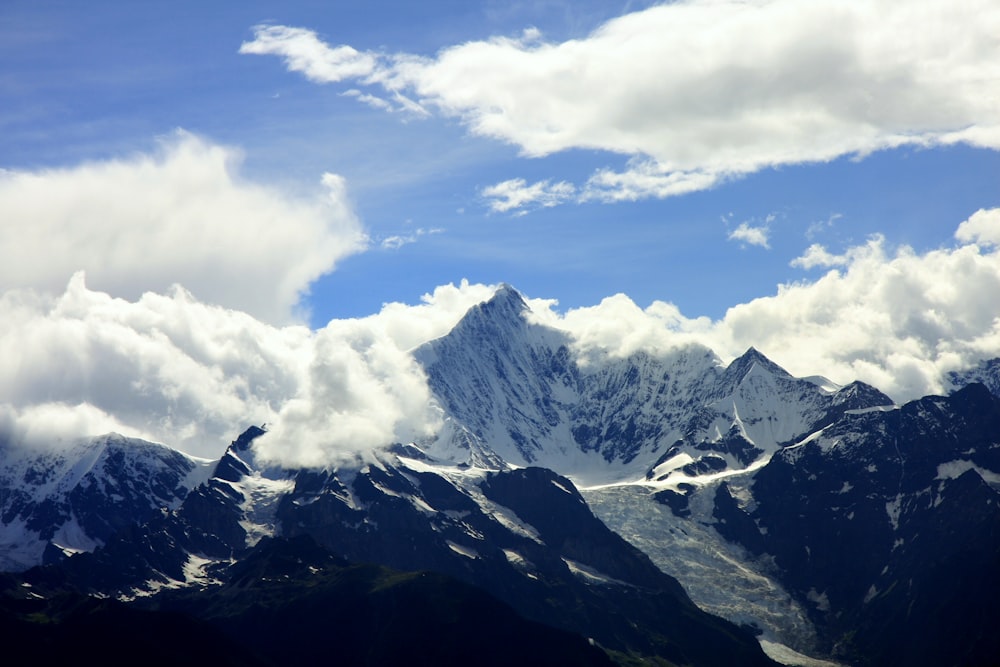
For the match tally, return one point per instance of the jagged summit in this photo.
(745, 363)
(508, 293)
(986, 372)
(238, 460)
(504, 309)
(858, 395)
(74, 497)
(521, 391)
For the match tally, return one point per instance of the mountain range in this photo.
(665, 508)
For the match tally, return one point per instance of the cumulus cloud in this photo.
(303, 51)
(617, 327)
(172, 369)
(698, 91)
(817, 255)
(982, 227)
(747, 233)
(361, 392)
(183, 215)
(899, 320)
(165, 367)
(894, 318)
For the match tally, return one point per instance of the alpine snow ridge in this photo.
(822, 518)
(77, 496)
(520, 391)
(525, 536)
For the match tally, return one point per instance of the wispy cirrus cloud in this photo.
(725, 88)
(396, 241)
(517, 195)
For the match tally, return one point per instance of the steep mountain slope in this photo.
(526, 536)
(287, 602)
(711, 441)
(74, 497)
(888, 523)
(986, 373)
(824, 517)
(521, 392)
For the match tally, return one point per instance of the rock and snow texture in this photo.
(74, 496)
(803, 499)
(986, 373)
(526, 535)
(887, 521)
(721, 577)
(521, 391)
(789, 504)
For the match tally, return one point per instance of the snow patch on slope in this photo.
(958, 467)
(260, 505)
(694, 553)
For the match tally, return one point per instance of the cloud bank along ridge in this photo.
(694, 92)
(170, 368)
(181, 215)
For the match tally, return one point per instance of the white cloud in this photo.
(617, 327)
(646, 178)
(516, 194)
(164, 367)
(361, 392)
(171, 369)
(821, 226)
(746, 233)
(396, 241)
(702, 90)
(183, 215)
(982, 227)
(371, 100)
(898, 320)
(50, 426)
(304, 52)
(817, 255)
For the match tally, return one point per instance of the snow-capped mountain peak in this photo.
(521, 390)
(73, 497)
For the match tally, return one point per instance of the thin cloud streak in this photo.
(516, 195)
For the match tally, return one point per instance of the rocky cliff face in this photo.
(74, 497)
(823, 516)
(886, 521)
(523, 392)
(526, 536)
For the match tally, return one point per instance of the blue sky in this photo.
(197, 198)
(100, 81)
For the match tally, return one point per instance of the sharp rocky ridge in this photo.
(810, 512)
(518, 391)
